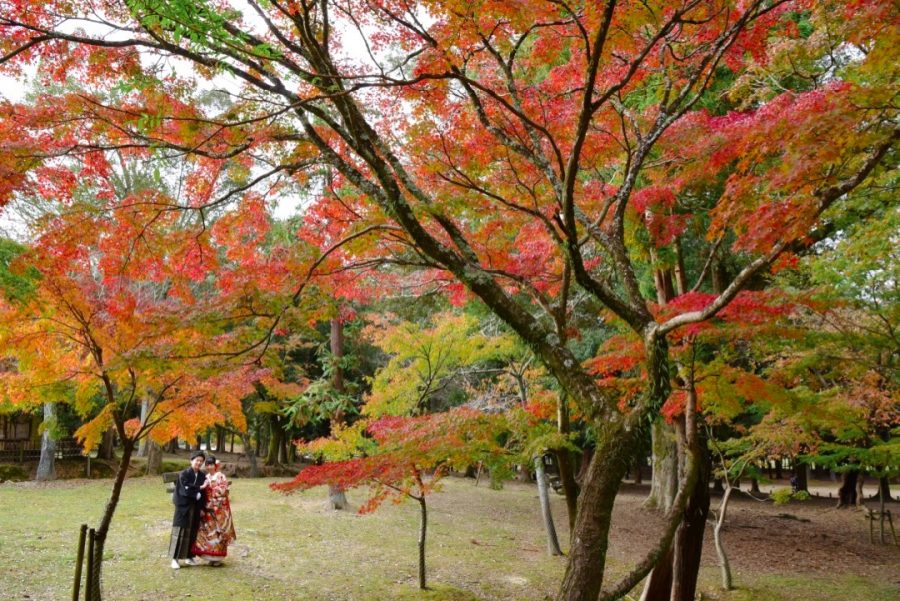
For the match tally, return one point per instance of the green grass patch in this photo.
(483, 545)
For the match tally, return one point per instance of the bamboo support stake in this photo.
(76, 586)
(89, 579)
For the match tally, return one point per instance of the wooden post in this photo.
(76, 587)
(89, 579)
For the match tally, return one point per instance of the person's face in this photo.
(197, 463)
(212, 468)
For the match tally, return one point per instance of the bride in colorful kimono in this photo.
(216, 528)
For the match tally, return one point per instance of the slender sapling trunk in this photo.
(544, 496)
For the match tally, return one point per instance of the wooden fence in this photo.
(25, 450)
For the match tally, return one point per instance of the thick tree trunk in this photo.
(689, 540)
(284, 457)
(103, 529)
(664, 478)
(337, 353)
(659, 583)
(637, 470)
(291, 450)
(46, 469)
(674, 578)
(276, 437)
(590, 538)
(337, 498)
(105, 450)
(544, 497)
(250, 453)
(586, 455)
(884, 489)
(801, 473)
(172, 446)
(220, 439)
(847, 491)
(144, 446)
(259, 438)
(154, 458)
(564, 462)
(665, 291)
(681, 285)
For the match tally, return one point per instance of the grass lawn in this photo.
(482, 545)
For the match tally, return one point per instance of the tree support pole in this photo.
(76, 586)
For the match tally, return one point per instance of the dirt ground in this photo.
(801, 537)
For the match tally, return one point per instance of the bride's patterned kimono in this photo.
(216, 528)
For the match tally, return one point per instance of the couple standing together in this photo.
(202, 525)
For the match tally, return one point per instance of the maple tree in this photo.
(401, 458)
(102, 347)
(130, 335)
(501, 148)
(489, 368)
(425, 360)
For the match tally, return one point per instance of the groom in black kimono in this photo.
(189, 500)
